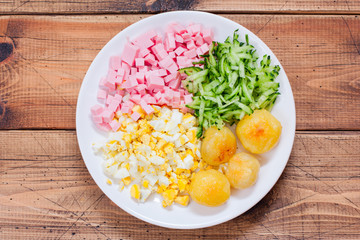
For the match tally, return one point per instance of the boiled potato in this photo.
(218, 146)
(242, 170)
(210, 188)
(259, 132)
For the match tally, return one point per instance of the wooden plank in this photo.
(47, 193)
(154, 6)
(40, 79)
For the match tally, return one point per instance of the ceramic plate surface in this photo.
(193, 216)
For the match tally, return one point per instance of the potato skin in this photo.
(242, 170)
(259, 132)
(218, 146)
(210, 188)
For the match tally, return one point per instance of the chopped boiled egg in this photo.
(156, 153)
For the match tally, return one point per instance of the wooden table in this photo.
(46, 48)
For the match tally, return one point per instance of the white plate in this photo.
(193, 216)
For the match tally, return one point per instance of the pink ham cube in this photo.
(140, 77)
(178, 38)
(125, 109)
(173, 68)
(190, 54)
(147, 108)
(97, 109)
(113, 105)
(150, 59)
(171, 42)
(171, 77)
(115, 125)
(178, 28)
(135, 98)
(155, 82)
(199, 40)
(190, 45)
(102, 95)
(166, 62)
(107, 116)
(141, 89)
(145, 40)
(188, 98)
(115, 62)
(179, 51)
(175, 84)
(139, 62)
(207, 35)
(97, 118)
(104, 126)
(129, 53)
(135, 116)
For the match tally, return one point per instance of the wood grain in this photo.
(154, 6)
(40, 80)
(47, 193)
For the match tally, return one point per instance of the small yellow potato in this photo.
(210, 188)
(218, 146)
(259, 132)
(242, 170)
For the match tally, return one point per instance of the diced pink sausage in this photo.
(135, 116)
(155, 82)
(135, 98)
(140, 77)
(190, 44)
(171, 42)
(150, 59)
(188, 98)
(115, 62)
(178, 28)
(129, 53)
(178, 38)
(199, 40)
(204, 48)
(139, 62)
(158, 39)
(102, 95)
(190, 54)
(207, 35)
(118, 97)
(96, 109)
(179, 50)
(147, 108)
(158, 96)
(125, 109)
(141, 89)
(166, 62)
(144, 41)
(113, 105)
(144, 52)
(107, 115)
(104, 126)
(97, 118)
(175, 83)
(173, 68)
(115, 125)
(159, 51)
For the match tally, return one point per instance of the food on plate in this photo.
(156, 153)
(218, 146)
(210, 188)
(231, 84)
(146, 73)
(165, 103)
(259, 132)
(242, 170)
